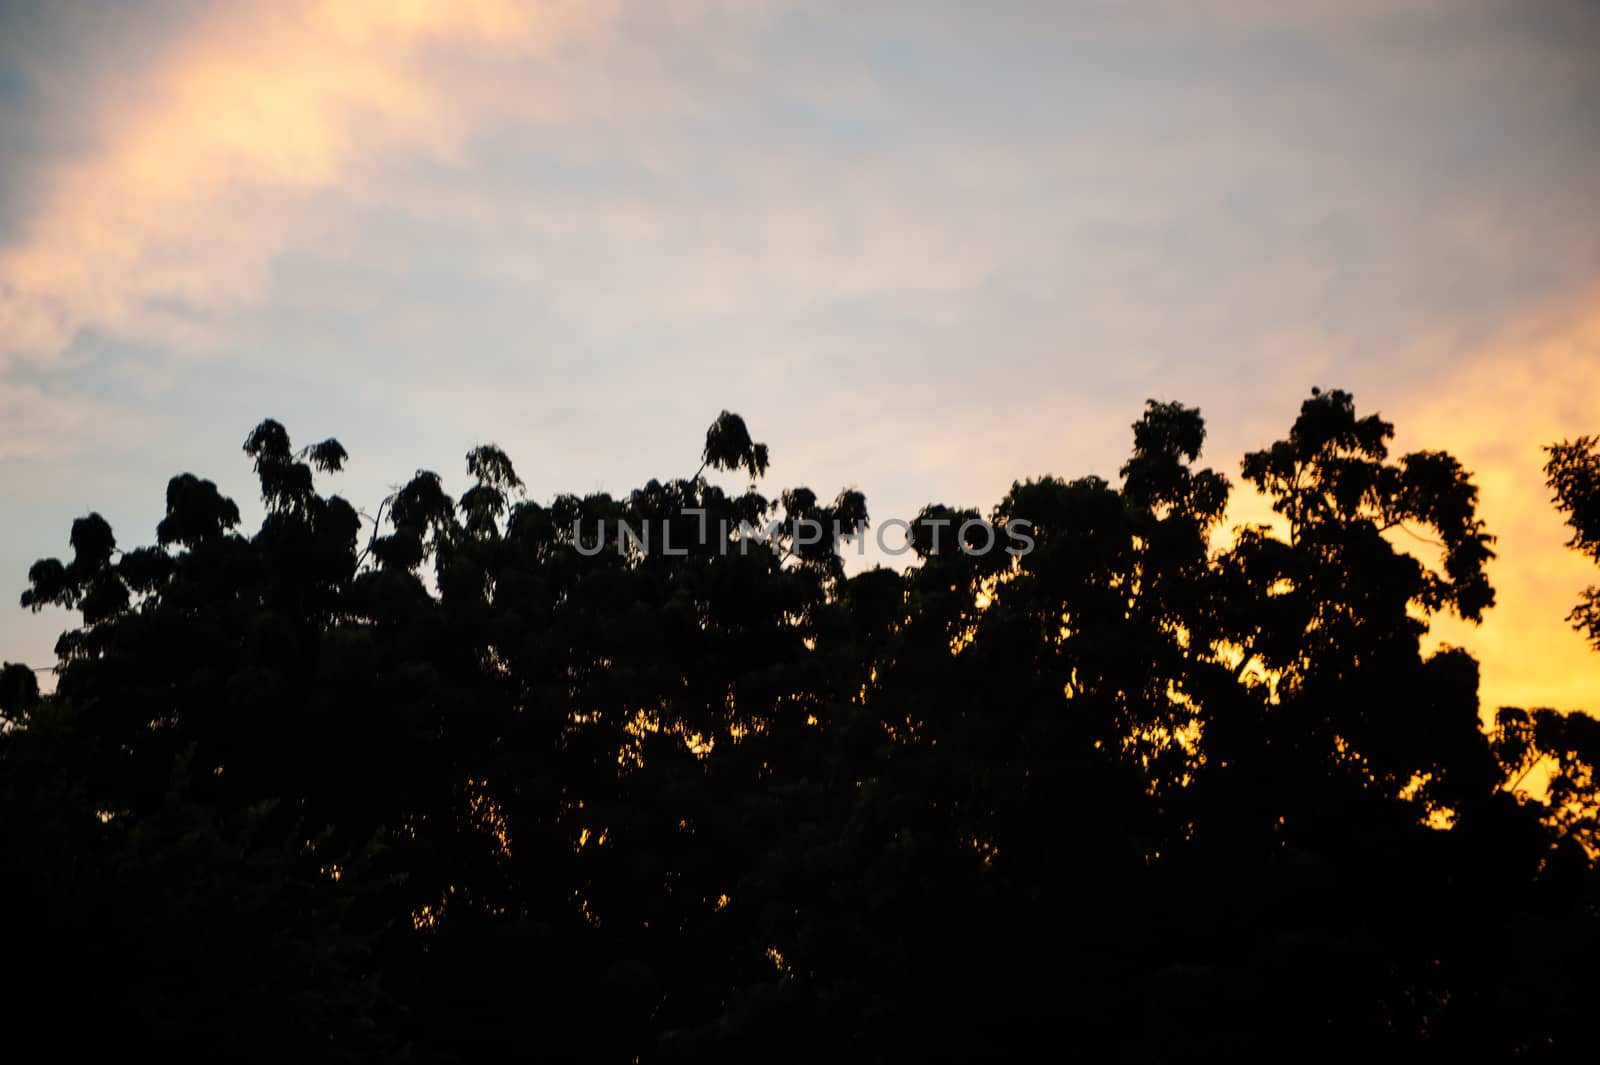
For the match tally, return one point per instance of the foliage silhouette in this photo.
(510, 779)
(1573, 473)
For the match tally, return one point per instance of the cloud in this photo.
(1531, 385)
(709, 158)
(42, 421)
(212, 156)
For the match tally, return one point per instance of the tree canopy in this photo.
(622, 779)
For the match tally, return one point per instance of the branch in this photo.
(1401, 525)
(377, 523)
(1515, 784)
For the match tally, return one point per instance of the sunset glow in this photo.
(411, 223)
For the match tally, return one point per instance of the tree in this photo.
(621, 778)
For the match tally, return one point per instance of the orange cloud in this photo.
(1531, 386)
(174, 217)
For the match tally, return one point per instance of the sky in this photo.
(925, 248)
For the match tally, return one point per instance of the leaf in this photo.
(328, 456)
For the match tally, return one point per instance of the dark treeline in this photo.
(439, 786)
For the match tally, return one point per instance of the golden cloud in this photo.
(1534, 384)
(174, 218)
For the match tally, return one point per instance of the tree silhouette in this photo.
(622, 779)
(729, 447)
